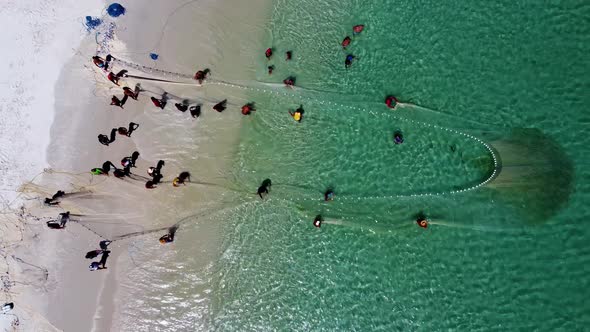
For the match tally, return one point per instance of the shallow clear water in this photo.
(512, 255)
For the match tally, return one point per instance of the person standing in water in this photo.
(220, 106)
(288, 55)
(268, 53)
(195, 111)
(270, 69)
(248, 109)
(264, 188)
(298, 114)
(169, 237)
(317, 221)
(348, 61)
(329, 195)
(181, 179)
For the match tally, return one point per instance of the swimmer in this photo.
(270, 69)
(358, 29)
(248, 109)
(127, 131)
(195, 111)
(422, 222)
(398, 138)
(220, 106)
(288, 55)
(298, 114)
(329, 195)
(201, 75)
(268, 53)
(346, 42)
(317, 222)
(289, 81)
(54, 198)
(168, 238)
(348, 61)
(264, 188)
(391, 102)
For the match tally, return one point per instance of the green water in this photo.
(512, 255)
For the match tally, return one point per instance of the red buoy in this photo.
(346, 42)
(358, 28)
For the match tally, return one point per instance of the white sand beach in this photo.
(56, 291)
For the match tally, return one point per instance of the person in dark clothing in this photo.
(169, 237)
(54, 198)
(122, 73)
(130, 93)
(220, 106)
(103, 139)
(134, 157)
(113, 78)
(329, 195)
(160, 103)
(348, 60)
(264, 188)
(288, 55)
(181, 107)
(195, 111)
(270, 69)
(201, 75)
(248, 109)
(102, 263)
(127, 132)
(106, 167)
(104, 244)
(61, 223)
(289, 81)
(121, 173)
(155, 172)
(181, 179)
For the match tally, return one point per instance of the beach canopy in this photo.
(116, 10)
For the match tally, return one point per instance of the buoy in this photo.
(358, 28)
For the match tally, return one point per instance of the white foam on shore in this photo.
(38, 38)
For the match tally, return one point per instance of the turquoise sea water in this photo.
(512, 255)
(495, 155)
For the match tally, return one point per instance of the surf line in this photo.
(492, 152)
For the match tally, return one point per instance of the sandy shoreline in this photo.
(71, 297)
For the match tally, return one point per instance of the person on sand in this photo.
(268, 53)
(264, 188)
(220, 106)
(61, 222)
(160, 103)
(121, 173)
(298, 114)
(119, 102)
(181, 107)
(181, 179)
(105, 169)
(195, 111)
(104, 244)
(270, 69)
(132, 93)
(99, 62)
(288, 55)
(127, 132)
(113, 78)
(248, 109)
(102, 263)
(169, 237)
(104, 139)
(54, 199)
